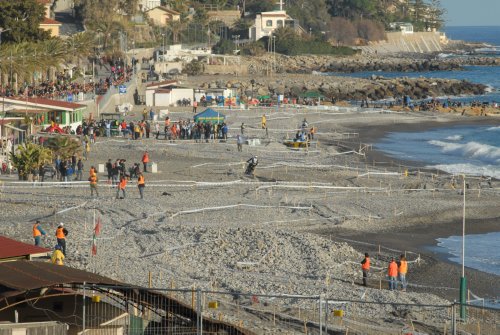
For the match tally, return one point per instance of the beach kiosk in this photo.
(209, 115)
(45, 111)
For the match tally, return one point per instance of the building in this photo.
(52, 26)
(48, 23)
(44, 111)
(162, 16)
(12, 250)
(167, 93)
(40, 296)
(267, 22)
(145, 5)
(403, 27)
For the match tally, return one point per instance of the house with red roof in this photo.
(48, 23)
(45, 111)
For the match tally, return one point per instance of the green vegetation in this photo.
(29, 157)
(20, 20)
(297, 46)
(193, 69)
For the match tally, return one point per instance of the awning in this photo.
(15, 128)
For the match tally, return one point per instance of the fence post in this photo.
(199, 316)
(83, 310)
(320, 314)
(453, 320)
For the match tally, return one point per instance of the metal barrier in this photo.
(135, 310)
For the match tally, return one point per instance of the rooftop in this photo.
(41, 102)
(10, 248)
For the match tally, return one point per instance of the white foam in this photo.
(469, 169)
(454, 138)
(484, 152)
(493, 128)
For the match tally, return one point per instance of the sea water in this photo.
(481, 251)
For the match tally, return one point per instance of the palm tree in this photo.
(29, 157)
(176, 28)
(64, 146)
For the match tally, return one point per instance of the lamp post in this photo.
(253, 83)
(463, 281)
(163, 45)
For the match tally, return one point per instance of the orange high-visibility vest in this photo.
(145, 158)
(392, 271)
(36, 232)
(123, 183)
(60, 233)
(93, 179)
(140, 180)
(366, 264)
(403, 267)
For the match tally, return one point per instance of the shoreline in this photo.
(422, 238)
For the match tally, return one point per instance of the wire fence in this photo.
(133, 310)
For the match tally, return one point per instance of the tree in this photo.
(341, 31)
(193, 68)
(64, 146)
(21, 21)
(176, 28)
(29, 157)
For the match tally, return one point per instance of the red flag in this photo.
(97, 229)
(94, 249)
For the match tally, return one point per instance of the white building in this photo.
(404, 27)
(166, 93)
(145, 5)
(267, 22)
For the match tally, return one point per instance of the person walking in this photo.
(365, 267)
(242, 127)
(57, 256)
(263, 122)
(61, 234)
(93, 185)
(239, 142)
(79, 170)
(145, 161)
(402, 270)
(392, 273)
(121, 187)
(38, 232)
(141, 184)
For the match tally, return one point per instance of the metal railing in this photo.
(132, 310)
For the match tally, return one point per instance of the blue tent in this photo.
(209, 115)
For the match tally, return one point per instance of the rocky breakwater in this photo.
(343, 88)
(362, 63)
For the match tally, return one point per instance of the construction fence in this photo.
(132, 310)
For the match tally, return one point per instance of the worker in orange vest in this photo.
(141, 184)
(61, 234)
(38, 232)
(402, 270)
(92, 170)
(93, 185)
(145, 161)
(121, 186)
(365, 267)
(392, 273)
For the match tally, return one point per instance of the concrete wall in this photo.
(397, 42)
(226, 69)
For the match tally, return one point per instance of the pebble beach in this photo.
(300, 226)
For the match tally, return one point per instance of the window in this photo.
(269, 23)
(279, 23)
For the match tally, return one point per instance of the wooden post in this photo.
(305, 327)
(150, 280)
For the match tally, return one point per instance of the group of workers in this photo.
(122, 184)
(60, 249)
(396, 272)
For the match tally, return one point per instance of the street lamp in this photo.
(163, 45)
(463, 281)
(253, 83)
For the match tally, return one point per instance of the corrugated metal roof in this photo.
(10, 248)
(21, 276)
